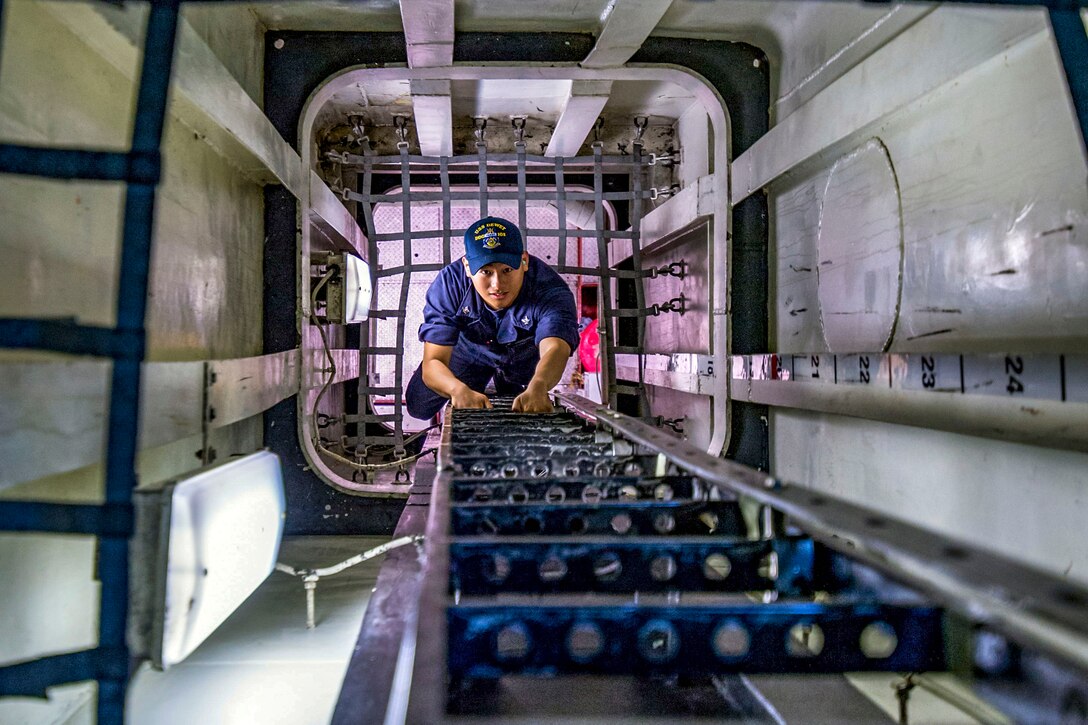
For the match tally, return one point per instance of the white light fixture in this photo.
(203, 543)
(350, 291)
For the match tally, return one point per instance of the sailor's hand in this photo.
(466, 397)
(533, 400)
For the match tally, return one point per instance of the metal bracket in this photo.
(479, 124)
(518, 122)
(207, 454)
(665, 191)
(674, 269)
(669, 159)
(676, 304)
(674, 424)
(400, 126)
(358, 129)
(310, 577)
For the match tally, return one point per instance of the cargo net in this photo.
(416, 227)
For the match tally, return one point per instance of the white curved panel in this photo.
(860, 251)
(224, 530)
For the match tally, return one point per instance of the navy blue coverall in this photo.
(487, 343)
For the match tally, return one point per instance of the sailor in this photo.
(499, 314)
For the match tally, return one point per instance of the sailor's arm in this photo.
(439, 378)
(554, 352)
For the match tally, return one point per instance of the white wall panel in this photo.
(1029, 503)
(994, 203)
(70, 83)
(995, 252)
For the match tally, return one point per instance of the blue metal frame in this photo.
(1072, 40)
(112, 522)
(627, 565)
(678, 640)
(643, 518)
(582, 488)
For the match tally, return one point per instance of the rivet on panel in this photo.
(731, 640)
(658, 641)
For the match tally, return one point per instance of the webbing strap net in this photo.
(414, 241)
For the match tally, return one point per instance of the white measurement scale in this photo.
(1062, 378)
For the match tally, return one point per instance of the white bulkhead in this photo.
(927, 197)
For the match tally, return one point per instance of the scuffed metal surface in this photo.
(860, 251)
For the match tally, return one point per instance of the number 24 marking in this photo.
(1014, 367)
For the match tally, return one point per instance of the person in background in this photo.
(497, 314)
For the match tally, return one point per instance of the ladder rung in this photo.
(387, 314)
(136, 167)
(71, 338)
(66, 518)
(626, 350)
(383, 351)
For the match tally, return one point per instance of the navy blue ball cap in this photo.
(493, 240)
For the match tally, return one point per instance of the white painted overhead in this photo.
(376, 101)
(433, 109)
(562, 16)
(498, 16)
(428, 36)
(444, 110)
(825, 39)
(624, 27)
(502, 99)
(660, 102)
(428, 32)
(584, 105)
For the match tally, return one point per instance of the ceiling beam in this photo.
(434, 116)
(428, 31)
(584, 105)
(625, 24)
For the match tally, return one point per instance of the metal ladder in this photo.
(112, 521)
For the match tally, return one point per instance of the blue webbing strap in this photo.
(139, 218)
(140, 167)
(523, 223)
(444, 167)
(561, 212)
(604, 291)
(1072, 40)
(33, 678)
(67, 336)
(636, 260)
(481, 153)
(405, 286)
(108, 520)
(56, 163)
(366, 348)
